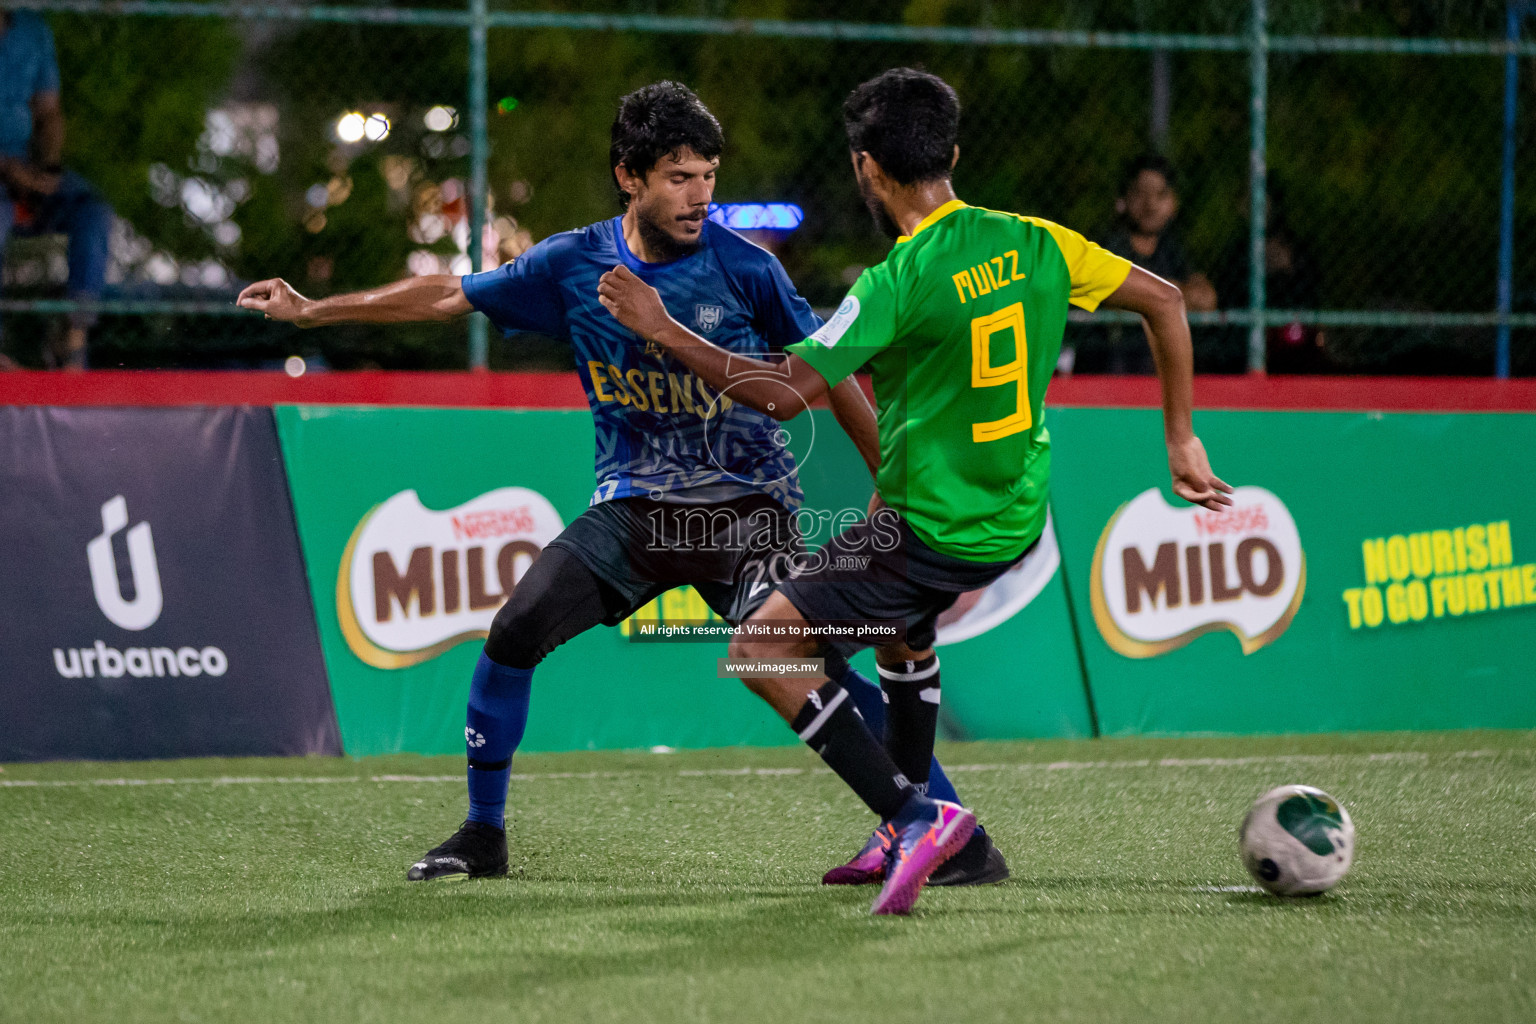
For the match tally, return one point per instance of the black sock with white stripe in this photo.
(911, 691)
(830, 726)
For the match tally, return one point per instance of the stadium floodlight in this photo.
(351, 127)
(376, 128)
(757, 216)
(441, 118)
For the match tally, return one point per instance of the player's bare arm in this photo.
(853, 412)
(1161, 306)
(435, 297)
(781, 389)
(851, 409)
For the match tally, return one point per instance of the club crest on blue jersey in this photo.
(707, 317)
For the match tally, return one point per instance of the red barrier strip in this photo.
(1365, 394)
(246, 387)
(563, 390)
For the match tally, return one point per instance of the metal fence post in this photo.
(1257, 185)
(1514, 15)
(1162, 99)
(479, 156)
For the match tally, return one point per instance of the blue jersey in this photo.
(28, 69)
(661, 432)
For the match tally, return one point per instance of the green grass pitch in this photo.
(684, 887)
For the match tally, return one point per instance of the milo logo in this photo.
(414, 582)
(1163, 576)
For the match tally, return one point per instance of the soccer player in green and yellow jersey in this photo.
(960, 327)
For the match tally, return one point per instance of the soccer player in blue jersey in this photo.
(692, 488)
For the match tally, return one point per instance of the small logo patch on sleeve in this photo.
(833, 330)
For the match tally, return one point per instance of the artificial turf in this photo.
(684, 887)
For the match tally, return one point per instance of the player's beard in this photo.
(660, 242)
(883, 221)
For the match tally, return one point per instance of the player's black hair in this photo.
(908, 121)
(660, 120)
(1148, 162)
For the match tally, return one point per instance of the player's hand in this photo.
(1192, 477)
(633, 303)
(875, 505)
(278, 299)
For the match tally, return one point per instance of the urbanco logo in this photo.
(415, 582)
(147, 603)
(1163, 576)
(140, 613)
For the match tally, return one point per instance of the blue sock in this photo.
(871, 704)
(497, 716)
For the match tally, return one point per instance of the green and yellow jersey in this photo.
(961, 327)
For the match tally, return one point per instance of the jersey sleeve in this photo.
(780, 315)
(523, 295)
(864, 324)
(1095, 271)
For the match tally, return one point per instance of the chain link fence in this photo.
(337, 146)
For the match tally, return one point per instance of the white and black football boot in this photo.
(476, 850)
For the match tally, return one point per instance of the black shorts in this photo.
(879, 571)
(732, 552)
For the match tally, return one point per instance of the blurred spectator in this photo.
(1144, 234)
(1290, 283)
(1148, 204)
(37, 195)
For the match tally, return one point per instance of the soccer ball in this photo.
(1297, 841)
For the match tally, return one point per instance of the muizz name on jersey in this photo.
(655, 391)
(984, 278)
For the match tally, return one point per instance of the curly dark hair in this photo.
(908, 121)
(661, 120)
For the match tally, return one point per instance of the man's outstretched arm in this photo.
(432, 298)
(782, 388)
(851, 409)
(1161, 305)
